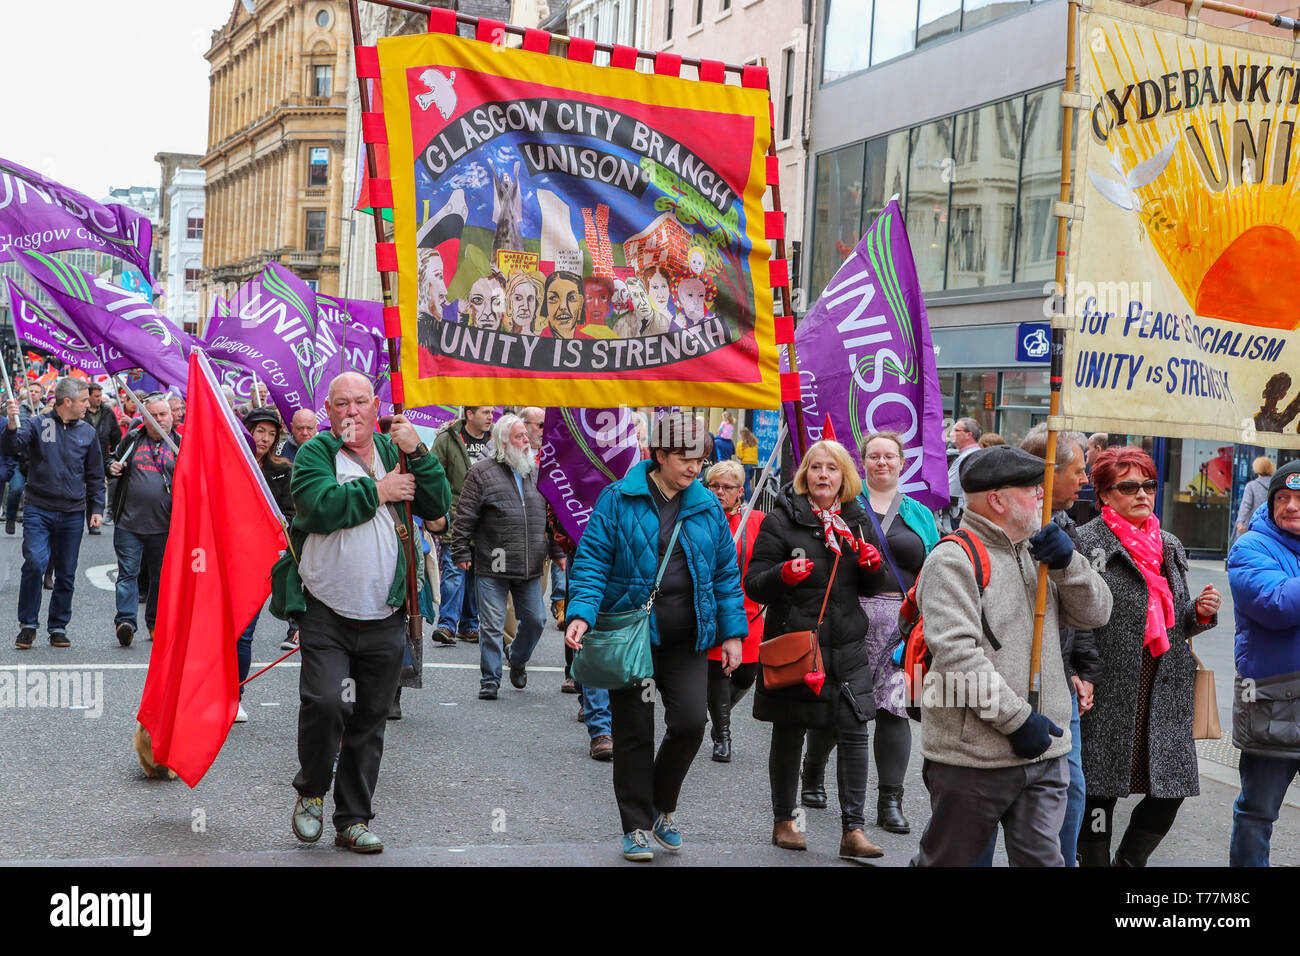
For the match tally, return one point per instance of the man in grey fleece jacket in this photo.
(989, 757)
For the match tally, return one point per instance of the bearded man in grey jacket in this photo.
(989, 757)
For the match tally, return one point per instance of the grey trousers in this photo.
(967, 803)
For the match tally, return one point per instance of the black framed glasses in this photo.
(1131, 488)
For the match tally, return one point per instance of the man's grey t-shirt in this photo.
(147, 508)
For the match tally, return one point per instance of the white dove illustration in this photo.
(1124, 193)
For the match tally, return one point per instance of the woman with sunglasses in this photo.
(726, 480)
(1137, 738)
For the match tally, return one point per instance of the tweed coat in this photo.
(1108, 729)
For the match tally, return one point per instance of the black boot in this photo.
(1094, 853)
(1136, 847)
(889, 810)
(720, 717)
(814, 786)
(395, 711)
(737, 694)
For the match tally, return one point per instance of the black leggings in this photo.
(1155, 815)
(742, 678)
(892, 746)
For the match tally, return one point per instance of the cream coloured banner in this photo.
(1182, 273)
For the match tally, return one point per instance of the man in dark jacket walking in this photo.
(65, 470)
(1264, 571)
(101, 418)
(142, 511)
(501, 534)
(457, 446)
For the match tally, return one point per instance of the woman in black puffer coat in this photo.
(789, 572)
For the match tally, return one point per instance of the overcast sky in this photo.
(92, 90)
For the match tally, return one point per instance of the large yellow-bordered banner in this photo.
(1184, 320)
(576, 235)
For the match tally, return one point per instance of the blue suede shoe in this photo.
(636, 847)
(666, 832)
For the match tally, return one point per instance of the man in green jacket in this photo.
(458, 445)
(348, 534)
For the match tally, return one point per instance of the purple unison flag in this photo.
(583, 450)
(346, 348)
(272, 330)
(123, 330)
(37, 213)
(867, 359)
(34, 327)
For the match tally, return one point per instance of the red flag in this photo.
(225, 534)
(35, 359)
(828, 430)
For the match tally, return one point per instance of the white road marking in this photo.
(103, 576)
(255, 665)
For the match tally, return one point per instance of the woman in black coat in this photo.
(1137, 738)
(815, 517)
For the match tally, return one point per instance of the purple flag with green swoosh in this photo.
(867, 359)
(121, 328)
(35, 328)
(39, 214)
(583, 450)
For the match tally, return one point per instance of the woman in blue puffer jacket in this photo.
(699, 605)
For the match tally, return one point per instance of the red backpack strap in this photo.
(979, 559)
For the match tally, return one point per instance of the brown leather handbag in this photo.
(788, 658)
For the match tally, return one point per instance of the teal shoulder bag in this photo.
(616, 651)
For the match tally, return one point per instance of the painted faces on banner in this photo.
(522, 210)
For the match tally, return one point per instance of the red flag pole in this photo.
(414, 631)
(269, 666)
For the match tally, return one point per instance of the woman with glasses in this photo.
(909, 532)
(1137, 738)
(726, 480)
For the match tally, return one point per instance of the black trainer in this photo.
(125, 632)
(26, 637)
(59, 639)
(518, 677)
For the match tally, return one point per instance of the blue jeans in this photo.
(1074, 798)
(595, 711)
(16, 482)
(1263, 786)
(559, 582)
(244, 648)
(51, 539)
(459, 610)
(130, 548)
(529, 612)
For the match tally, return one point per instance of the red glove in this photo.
(792, 572)
(868, 556)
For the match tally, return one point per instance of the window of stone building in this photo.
(322, 18)
(315, 238)
(194, 227)
(787, 95)
(322, 80)
(699, 11)
(668, 32)
(318, 169)
(192, 280)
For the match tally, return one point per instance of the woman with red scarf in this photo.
(1137, 738)
(727, 482)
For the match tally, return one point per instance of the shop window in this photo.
(978, 398)
(1029, 388)
(845, 50)
(986, 166)
(928, 181)
(839, 211)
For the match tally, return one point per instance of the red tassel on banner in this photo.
(381, 193)
(779, 271)
(668, 64)
(623, 57)
(373, 129)
(367, 60)
(773, 171)
(442, 20)
(713, 71)
(791, 391)
(490, 31)
(392, 322)
(582, 49)
(395, 386)
(754, 77)
(784, 329)
(774, 225)
(386, 256)
(537, 41)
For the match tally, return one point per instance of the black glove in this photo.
(1031, 739)
(1052, 547)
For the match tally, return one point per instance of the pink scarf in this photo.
(1145, 547)
(833, 524)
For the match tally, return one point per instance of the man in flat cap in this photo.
(989, 757)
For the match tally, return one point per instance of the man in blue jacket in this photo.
(65, 480)
(1264, 571)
